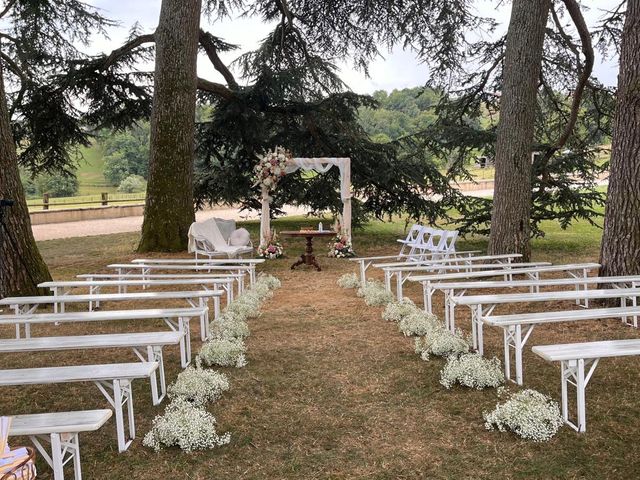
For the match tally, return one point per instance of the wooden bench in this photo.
(61, 430)
(575, 359)
(454, 290)
(96, 286)
(204, 261)
(517, 328)
(147, 346)
(176, 318)
(117, 377)
(146, 268)
(195, 299)
(577, 270)
(507, 258)
(403, 274)
(365, 262)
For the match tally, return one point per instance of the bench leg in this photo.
(447, 312)
(399, 282)
(154, 354)
(64, 447)
(514, 339)
(573, 373)
(387, 280)
(122, 393)
(363, 272)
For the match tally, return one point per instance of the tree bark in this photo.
(21, 265)
(169, 208)
(510, 217)
(620, 248)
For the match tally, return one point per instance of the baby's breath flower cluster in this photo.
(397, 311)
(271, 282)
(348, 280)
(441, 343)
(229, 326)
(472, 370)
(199, 386)
(418, 324)
(225, 352)
(529, 414)
(374, 294)
(186, 426)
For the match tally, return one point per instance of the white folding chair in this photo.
(412, 238)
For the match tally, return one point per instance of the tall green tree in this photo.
(620, 249)
(169, 208)
(510, 228)
(44, 77)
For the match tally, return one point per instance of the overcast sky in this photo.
(398, 69)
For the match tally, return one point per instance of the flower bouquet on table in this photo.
(270, 169)
(272, 249)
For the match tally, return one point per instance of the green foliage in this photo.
(56, 184)
(126, 153)
(133, 184)
(399, 113)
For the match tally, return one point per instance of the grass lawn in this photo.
(333, 391)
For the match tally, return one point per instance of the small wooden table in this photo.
(308, 258)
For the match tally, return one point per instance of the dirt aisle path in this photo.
(331, 391)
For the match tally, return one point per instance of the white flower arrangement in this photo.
(224, 352)
(529, 414)
(397, 311)
(243, 307)
(348, 280)
(186, 426)
(374, 294)
(230, 329)
(270, 169)
(198, 386)
(442, 343)
(341, 247)
(472, 370)
(271, 282)
(418, 324)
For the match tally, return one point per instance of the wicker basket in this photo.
(25, 470)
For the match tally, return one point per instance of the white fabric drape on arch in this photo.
(320, 165)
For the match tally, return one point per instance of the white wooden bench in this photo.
(176, 318)
(505, 258)
(211, 261)
(484, 305)
(146, 268)
(147, 346)
(64, 287)
(575, 359)
(403, 274)
(116, 377)
(454, 290)
(365, 262)
(195, 299)
(61, 430)
(578, 270)
(517, 328)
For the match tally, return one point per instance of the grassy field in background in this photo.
(333, 391)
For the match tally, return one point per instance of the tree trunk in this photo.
(169, 209)
(620, 249)
(21, 266)
(510, 227)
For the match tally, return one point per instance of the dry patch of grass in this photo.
(333, 391)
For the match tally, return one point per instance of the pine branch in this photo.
(7, 8)
(126, 48)
(215, 88)
(212, 52)
(587, 50)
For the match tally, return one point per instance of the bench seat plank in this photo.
(59, 422)
(601, 349)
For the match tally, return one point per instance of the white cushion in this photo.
(239, 238)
